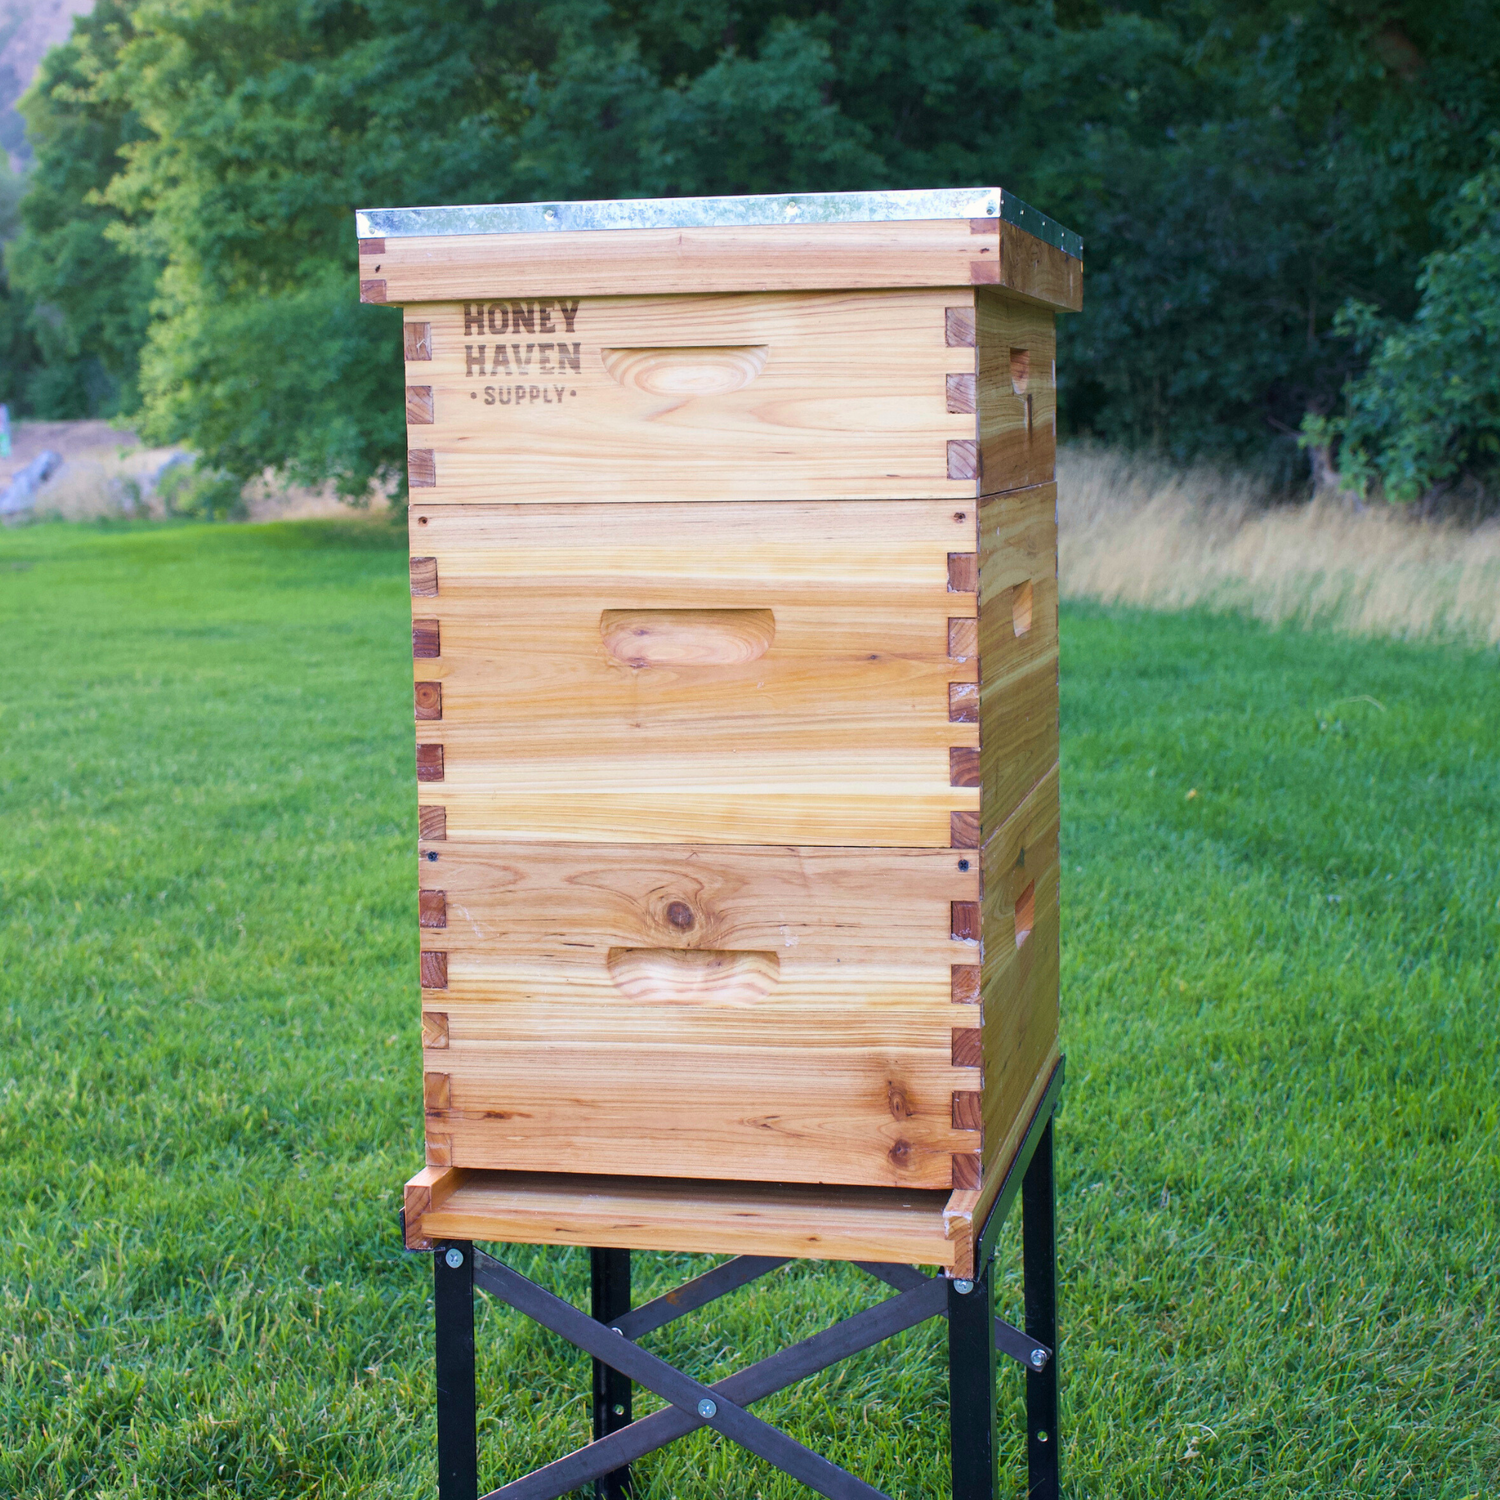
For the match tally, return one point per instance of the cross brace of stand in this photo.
(610, 1335)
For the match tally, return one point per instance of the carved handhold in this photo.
(1021, 607)
(686, 637)
(710, 371)
(1025, 913)
(693, 975)
(1020, 371)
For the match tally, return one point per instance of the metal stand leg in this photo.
(971, 1387)
(453, 1302)
(612, 1391)
(1039, 1261)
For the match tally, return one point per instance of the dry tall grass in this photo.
(1137, 531)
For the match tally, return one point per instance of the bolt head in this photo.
(963, 1288)
(453, 1258)
(1038, 1358)
(708, 1409)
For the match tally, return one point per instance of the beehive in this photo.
(733, 576)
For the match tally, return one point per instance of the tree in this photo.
(267, 123)
(1426, 413)
(1219, 257)
(90, 300)
(18, 351)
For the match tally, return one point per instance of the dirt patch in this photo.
(105, 471)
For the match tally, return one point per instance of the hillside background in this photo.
(29, 29)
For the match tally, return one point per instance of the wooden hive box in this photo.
(734, 597)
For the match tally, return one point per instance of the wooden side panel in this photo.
(521, 914)
(760, 1013)
(792, 686)
(1017, 647)
(696, 1104)
(1017, 392)
(1018, 715)
(790, 396)
(1019, 983)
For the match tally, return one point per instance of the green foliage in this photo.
(195, 490)
(12, 187)
(18, 351)
(267, 123)
(1279, 1172)
(226, 378)
(1239, 173)
(1427, 411)
(90, 300)
(1220, 255)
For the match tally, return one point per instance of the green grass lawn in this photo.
(1280, 1204)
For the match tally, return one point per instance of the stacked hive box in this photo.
(734, 627)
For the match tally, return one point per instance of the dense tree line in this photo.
(1292, 211)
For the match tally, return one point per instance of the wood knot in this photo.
(680, 915)
(900, 1154)
(900, 1106)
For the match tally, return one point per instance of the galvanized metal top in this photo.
(708, 213)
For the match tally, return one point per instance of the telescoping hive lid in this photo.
(717, 213)
(777, 242)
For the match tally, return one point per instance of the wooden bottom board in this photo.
(658, 1213)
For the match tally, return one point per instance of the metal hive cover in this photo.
(709, 213)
